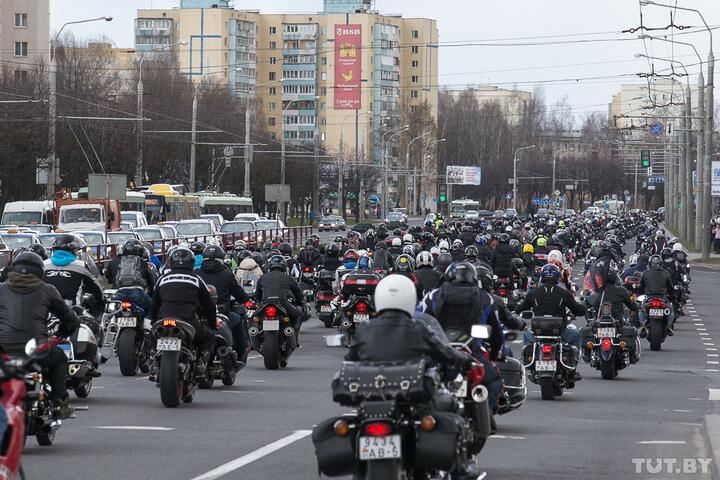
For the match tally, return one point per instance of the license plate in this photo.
(545, 365)
(461, 392)
(657, 312)
(169, 344)
(325, 308)
(505, 300)
(307, 274)
(271, 325)
(67, 350)
(124, 322)
(379, 448)
(361, 318)
(608, 332)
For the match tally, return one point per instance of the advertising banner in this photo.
(463, 175)
(348, 66)
(715, 179)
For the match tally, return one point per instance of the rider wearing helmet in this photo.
(597, 273)
(66, 272)
(277, 284)
(331, 260)
(656, 283)
(504, 253)
(197, 248)
(134, 279)
(180, 293)
(442, 263)
(425, 273)
(405, 266)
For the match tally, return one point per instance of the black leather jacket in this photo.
(618, 297)
(395, 337)
(25, 302)
(279, 285)
(181, 294)
(428, 277)
(217, 274)
(502, 260)
(550, 299)
(656, 281)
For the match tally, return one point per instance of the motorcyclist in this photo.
(381, 256)
(502, 260)
(597, 273)
(655, 282)
(405, 266)
(639, 266)
(68, 274)
(25, 305)
(426, 273)
(485, 253)
(393, 336)
(442, 263)
(309, 256)
(134, 279)
(197, 248)
(472, 257)
(331, 261)
(278, 286)
(214, 272)
(550, 299)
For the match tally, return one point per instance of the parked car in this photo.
(332, 222)
(201, 228)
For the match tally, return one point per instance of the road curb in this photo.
(711, 432)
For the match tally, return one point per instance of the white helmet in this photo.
(409, 250)
(435, 251)
(424, 259)
(407, 238)
(555, 256)
(363, 253)
(457, 241)
(678, 247)
(396, 242)
(395, 292)
(444, 246)
(508, 229)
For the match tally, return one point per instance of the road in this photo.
(259, 428)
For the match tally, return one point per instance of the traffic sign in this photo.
(228, 151)
(570, 186)
(540, 201)
(508, 196)
(626, 192)
(557, 193)
(656, 129)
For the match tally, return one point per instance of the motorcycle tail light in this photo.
(476, 375)
(270, 311)
(169, 323)
(350, 281)
(378, 429)
(125, 305)
(546, 351)
(606, 344)
(307, 269)
(502, 292)
(361, 307)
(248, 304)
(656, 303)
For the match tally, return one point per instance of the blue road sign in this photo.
(656, 129)
(541, 201)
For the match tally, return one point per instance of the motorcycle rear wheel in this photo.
(229, 379)
(655, 335)
(45, 439)
(608, 369)
(547, 388)
(126, 352)
(171, 381)
(271, 350)
(383, 470)
(82, 390)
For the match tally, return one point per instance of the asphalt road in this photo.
(259, 428)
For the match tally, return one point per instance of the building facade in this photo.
(287, 62)
(24, 35)
(513, 103)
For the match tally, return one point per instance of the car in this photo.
(362, 227)
(47, 239)
(200, 229)
(499, 214)
(153, 234)
(39, 228)
(136, 219)
(94, 238)
(121, 237)
(248, 217)
(395, 217)
(244, 231)
(472, 215)
(570, 212)
(332, 222)
(126, 226)
(169, 229)
(272, 227)
(542, 212)
(511, 212)
(13, 240)
(401, 210)
(484, 213)
(216, 218)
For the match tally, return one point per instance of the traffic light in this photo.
(645, 161)
(442, 192)
(443, 198)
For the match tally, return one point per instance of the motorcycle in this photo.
(175, 360)
(83, 353)
(512, 372)
(223, 362)
(358, 310)
(307, 283)
(132, 340)
(272, 335)
(657, 312)
(550, 362)
(609, 343)
(323, 298)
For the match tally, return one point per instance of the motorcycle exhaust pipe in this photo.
(227, 358)
(503, 402)
(479, 395)
(253, 331)
(345, 325)
(289, 333)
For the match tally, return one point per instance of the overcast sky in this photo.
(475, 21)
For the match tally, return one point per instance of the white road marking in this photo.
(712, 370)
(682, 411)
(507, 437)
(712, 363)
(701, 329)
(694, 398)
(662, 442)
(714, 394)
(703, 333)
(711, 349)
(135, 427)
(712, 355)
(254, 357)
(240, 462)
(259, 381)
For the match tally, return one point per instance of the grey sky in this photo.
(478, 20)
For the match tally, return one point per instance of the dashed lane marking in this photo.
(135, 427)
(507, 437)
(714, 394)
(712, 362)
(711, 370)
(662, 442)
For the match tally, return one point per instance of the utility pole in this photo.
(141, 131)
(52, 118)
(707, 164)
(193, 140)
(515, 179)
(248, 150)
(687, 176)
(316, 174)
(635, 195)
(341, 174)
(700, 171)
(682, 217)
(361, 194)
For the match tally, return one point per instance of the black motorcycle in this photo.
(324, 295)
(223, 363)
(133, 343)
(175, 357)
(272, 335)
(657, 315)
(358, 310)
(610, 343)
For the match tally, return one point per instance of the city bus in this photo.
(164, 203)
(459, 207)
(226, 204)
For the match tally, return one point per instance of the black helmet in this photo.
(380, 246)
(68, 243)
(310, 242)
(277, 262)
(197, 248)
(471, 252)
(214, 252)
(28, 263)
(39, 249)
(267, 246)
(239, 245)
(486, 277)
(666, 253)
(461, 272)
(133, 247)
(244, 254)
(443, 261)
(257, 257)
(181, 258)
(643, 259)
(286, 249)
(504, 238)
(333, 250)
(655, 261)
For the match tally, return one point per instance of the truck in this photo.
(36, 212)
(96, 215)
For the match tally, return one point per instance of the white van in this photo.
(136, 219)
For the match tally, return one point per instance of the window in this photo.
(415, 34)
(271, 106)
(21, 76)
(414, 49)
(271, 122)
(21, 49)
(271, 76)
(323, 91)
(273, 46)
(414, 64)
(323, 61)
(413, 108)
(272, 91)
(414, 79)
(323, 76)
(413, 94)
(21, 20)
(273, 30)
(273, 60)
(273, 135)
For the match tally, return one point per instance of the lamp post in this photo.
(397, 131)
(425, 156)
(555, 156)
(406, 193)
(515, 159)
(52, 166)
(140, 107)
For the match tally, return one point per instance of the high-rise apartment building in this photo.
(385, 63)
(24, 34)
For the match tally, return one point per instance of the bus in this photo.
(226, 204)
(459, 207)
(164, 203)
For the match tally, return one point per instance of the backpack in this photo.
(130, 272)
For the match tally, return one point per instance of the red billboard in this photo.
(348, 66)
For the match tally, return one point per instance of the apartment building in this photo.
(288, 62)
(24, 35)
(513, 103)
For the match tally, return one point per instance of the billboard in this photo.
(348, 66)
(462, 175)
(715, 179)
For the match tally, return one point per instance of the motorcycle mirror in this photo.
(334, 340)
(642, 298)
(30, 347)
(527, 315)
(480, 331)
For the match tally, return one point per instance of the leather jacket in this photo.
(181, 294)
(277, 284)
(656, 281)
(215, 273)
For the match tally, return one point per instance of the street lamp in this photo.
(515, 159)
(53, 173)
(407, 164)
(415, 176)
(140, 107)
(394, 132)
(555, 156)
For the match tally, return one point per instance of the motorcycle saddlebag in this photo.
(628, 335)
(587, 335)
(360, 381)
(335, 455)
(511, 372)
(84, 344)
(547, 326)
(437, 449)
